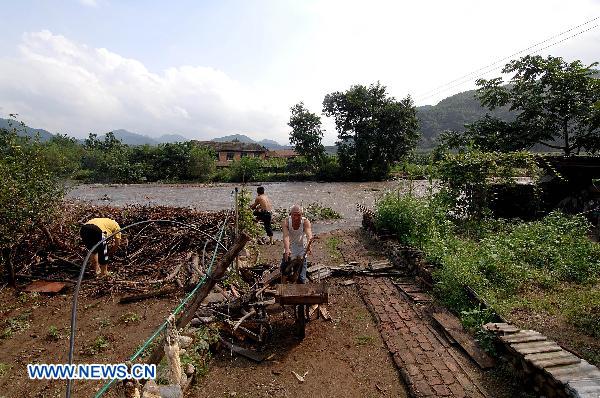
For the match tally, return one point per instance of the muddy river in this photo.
(340, 196)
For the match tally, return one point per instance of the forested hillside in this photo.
(452, 113)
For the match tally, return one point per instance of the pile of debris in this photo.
(318, 272)
(154, 256)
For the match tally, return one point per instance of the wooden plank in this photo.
(315, 267)
(524, 336)
(324, 312)
(584, 388)
(452, 326)
(536, 346)
(564, 361)
(320, 274)
(310, 293)
(44, 287)
(271, 277)
(540, 356)
(581, 371)
(501, 328)
(379, 266)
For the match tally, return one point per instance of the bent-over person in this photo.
(94, 231)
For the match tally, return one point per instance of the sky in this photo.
(206, 69)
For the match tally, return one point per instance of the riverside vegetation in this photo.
(547, 266)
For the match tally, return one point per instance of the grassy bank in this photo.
(547, 269)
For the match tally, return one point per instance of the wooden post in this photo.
(216, 274)
(237, 223)
(236, 212)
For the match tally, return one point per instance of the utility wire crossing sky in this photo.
(205, 69)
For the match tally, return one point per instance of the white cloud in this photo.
(63, 86)
(89, 3)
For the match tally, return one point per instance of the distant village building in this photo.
(227, 152)
(282, 154)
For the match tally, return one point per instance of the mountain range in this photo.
(451, 113)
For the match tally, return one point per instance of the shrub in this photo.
(29, 193)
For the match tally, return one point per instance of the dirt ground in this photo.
(343, 357)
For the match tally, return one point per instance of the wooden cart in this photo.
(301, 296)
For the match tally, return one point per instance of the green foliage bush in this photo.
(246, 221)
(499, 260)
(244, 170)
(29, 193)
(413, 220)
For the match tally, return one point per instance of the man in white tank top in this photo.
(294, 228)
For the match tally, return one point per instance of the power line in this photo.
(461, 80)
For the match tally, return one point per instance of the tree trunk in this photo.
(566, 134)
(10, 269)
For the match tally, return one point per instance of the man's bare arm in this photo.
(255, 204)
(286, 238)
(308, 231)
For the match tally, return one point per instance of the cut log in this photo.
(164, 291)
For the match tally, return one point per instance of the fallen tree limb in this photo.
(242, 319)
(217, 273)
(143, 296)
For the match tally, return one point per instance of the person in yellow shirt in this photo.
(93, 232)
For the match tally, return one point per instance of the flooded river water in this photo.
(340, 196)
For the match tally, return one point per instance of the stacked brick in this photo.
(429, 366)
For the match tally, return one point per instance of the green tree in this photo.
(63, 155)
(306, 134)
(374, 130)
(244, 170)
(29, 194)
(202, 163)
(555, 101)
(108, 160)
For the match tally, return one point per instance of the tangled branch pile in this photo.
(154, 252)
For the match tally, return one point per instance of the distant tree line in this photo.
(108, 160)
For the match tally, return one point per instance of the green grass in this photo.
(130, 317)
(53, 333)
(100, 344)
(4, 368)
(16, 324)
(503, 262)
(364, 340)
(332, 245)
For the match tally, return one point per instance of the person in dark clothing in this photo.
(263, 211)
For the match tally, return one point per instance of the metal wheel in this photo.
(300, 320)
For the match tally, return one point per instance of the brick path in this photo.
(429, 366)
